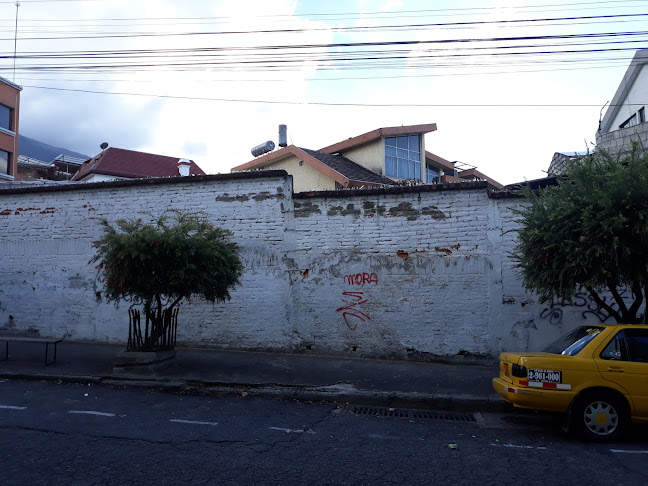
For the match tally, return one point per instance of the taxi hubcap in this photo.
(601, 418)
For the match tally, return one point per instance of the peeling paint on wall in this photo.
(304, 210)
(237, 198)
(405, 209)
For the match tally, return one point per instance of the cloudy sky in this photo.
(508, 82)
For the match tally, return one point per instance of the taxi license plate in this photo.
(545, 376)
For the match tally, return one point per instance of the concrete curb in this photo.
(335, 393)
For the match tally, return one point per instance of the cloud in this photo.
(508, 144)
(82, 121)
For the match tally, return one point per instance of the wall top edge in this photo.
(86, 186)
(450, 186)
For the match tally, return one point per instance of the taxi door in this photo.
(624, 361)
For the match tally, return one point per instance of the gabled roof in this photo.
(132, 165)
(339, 168)
(639, 60)
(376, 134)
(348, 168)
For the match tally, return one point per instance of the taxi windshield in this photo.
(574, 341)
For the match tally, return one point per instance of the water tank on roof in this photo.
(263, 148)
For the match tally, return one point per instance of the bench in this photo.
(47, 341)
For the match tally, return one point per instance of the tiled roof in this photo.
(131, 164)
(348, 168)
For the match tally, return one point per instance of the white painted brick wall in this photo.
(46, 243)
(435, 277)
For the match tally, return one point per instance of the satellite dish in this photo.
(104, 146)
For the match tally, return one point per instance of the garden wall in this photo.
(410, 272)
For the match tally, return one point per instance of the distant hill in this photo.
(42, 151)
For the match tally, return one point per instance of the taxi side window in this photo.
(616, 349)
(637, 341)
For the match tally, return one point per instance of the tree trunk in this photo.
(624, 314)
(160, 329)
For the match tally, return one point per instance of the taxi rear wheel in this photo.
(600, 417)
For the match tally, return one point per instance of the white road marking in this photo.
(195, 422)
(92, 412)
(12, 407)
(622, 451)
(514, 446)
(383, 437)
(292, 431)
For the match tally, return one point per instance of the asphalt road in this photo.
(53, 434)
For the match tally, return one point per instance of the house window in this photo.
(629, 122)
(431, 174)
(4, 162)
(642, 114)
(403, 157)
(5, 117)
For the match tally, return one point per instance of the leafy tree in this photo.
(156, 265)
(589, 232)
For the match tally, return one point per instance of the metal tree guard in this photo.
(158, 337)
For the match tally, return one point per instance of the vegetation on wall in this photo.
(179, 255)
(590, 232)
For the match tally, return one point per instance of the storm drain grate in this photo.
(407, 413)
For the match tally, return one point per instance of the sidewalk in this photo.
(403, 384)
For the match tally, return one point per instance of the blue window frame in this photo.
(403, 157)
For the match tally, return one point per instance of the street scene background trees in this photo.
(590, 232)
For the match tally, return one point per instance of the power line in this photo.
(349, 60)
(390, 13)
(340, 29)
(314, 103)
(246, 50)
(355, 78)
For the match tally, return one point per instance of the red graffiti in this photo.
(361, 278)
(350, 309)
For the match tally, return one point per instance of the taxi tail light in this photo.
(519, 371)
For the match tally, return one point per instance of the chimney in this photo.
(283, 135)
(183, 167)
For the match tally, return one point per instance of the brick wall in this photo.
(404, 272)
(46, 242)
(619, 140)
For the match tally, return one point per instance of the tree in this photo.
(156, 265)
(589, 232)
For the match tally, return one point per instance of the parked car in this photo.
(596, 375)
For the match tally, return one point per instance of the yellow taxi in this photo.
(596, 375)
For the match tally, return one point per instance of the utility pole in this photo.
(15, 43)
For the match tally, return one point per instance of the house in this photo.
(625, 118)
(115, 163)
(62, 168)
(560, 160)
(9, 110)
(382, 157)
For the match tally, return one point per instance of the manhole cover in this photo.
(407, 413)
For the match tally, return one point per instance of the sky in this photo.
(507, 82)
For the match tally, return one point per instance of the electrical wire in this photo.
(315, 103)
(334, 29)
